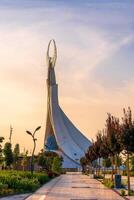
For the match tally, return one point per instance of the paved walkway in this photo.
(74, 187)
(15, 197)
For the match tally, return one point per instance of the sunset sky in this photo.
(95, 65)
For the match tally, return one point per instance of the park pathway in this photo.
(74, 187)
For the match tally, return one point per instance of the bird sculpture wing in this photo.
(51, 60)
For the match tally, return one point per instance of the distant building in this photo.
(61, 135)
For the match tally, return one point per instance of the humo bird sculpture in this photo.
(61, 135)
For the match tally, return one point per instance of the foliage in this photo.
(8, 154)
(113, 135)
(16, 154)
(108, 183)
(127, 130)
(98, 176)
(116, 138)
(1, 140)
(123, 193)
(83, 162)
(106, 162)
(56, 165)
(131, 192)
(127, 139)
(42, 177)
(132, 163)
(49, 161)
(19, 181)
(118, 160)
(42, 159)
(24, 160)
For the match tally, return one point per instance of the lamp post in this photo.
(34, 142)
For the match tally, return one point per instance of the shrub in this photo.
(56, 166)
(123, 193)
(3, 186)
(131, 192)
(108, 183)
(5, 192)
(42, 178)
(98, 176)
(27, 184)
(20, 182)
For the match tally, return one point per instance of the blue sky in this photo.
(95, 41)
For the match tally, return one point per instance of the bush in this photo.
(42, 178)
(56, 165)
(131, 192)
(20, 182)
(123, 193)
(28, 185)
(108, 183)
(131, 173)
(5, 192)
(3, 186)
(98, 176)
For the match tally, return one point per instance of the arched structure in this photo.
(60, 134)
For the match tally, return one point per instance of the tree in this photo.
(99, 149)
(8, 154)
(42, 159)
(118, 161)
(132, 163)
(83, 162)
(34, 146)
(113, 139)
(24, 161)
(16, 154)
(127, 139)
(46, 159)
(1, 140)
(56, 165)
(106, 162)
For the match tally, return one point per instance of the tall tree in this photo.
(16, 154)
(24, 161)
(56, 165)
(83, 162)
(8, 154)
(1, 157)
(127, 139)
(132, 163)
(113, 138)
(106, 163)
(34, 146)
(42, 159)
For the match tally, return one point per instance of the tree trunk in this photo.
(99, 168)
(128, 173)
(112, 173)
(116, 163)
(104, 173)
